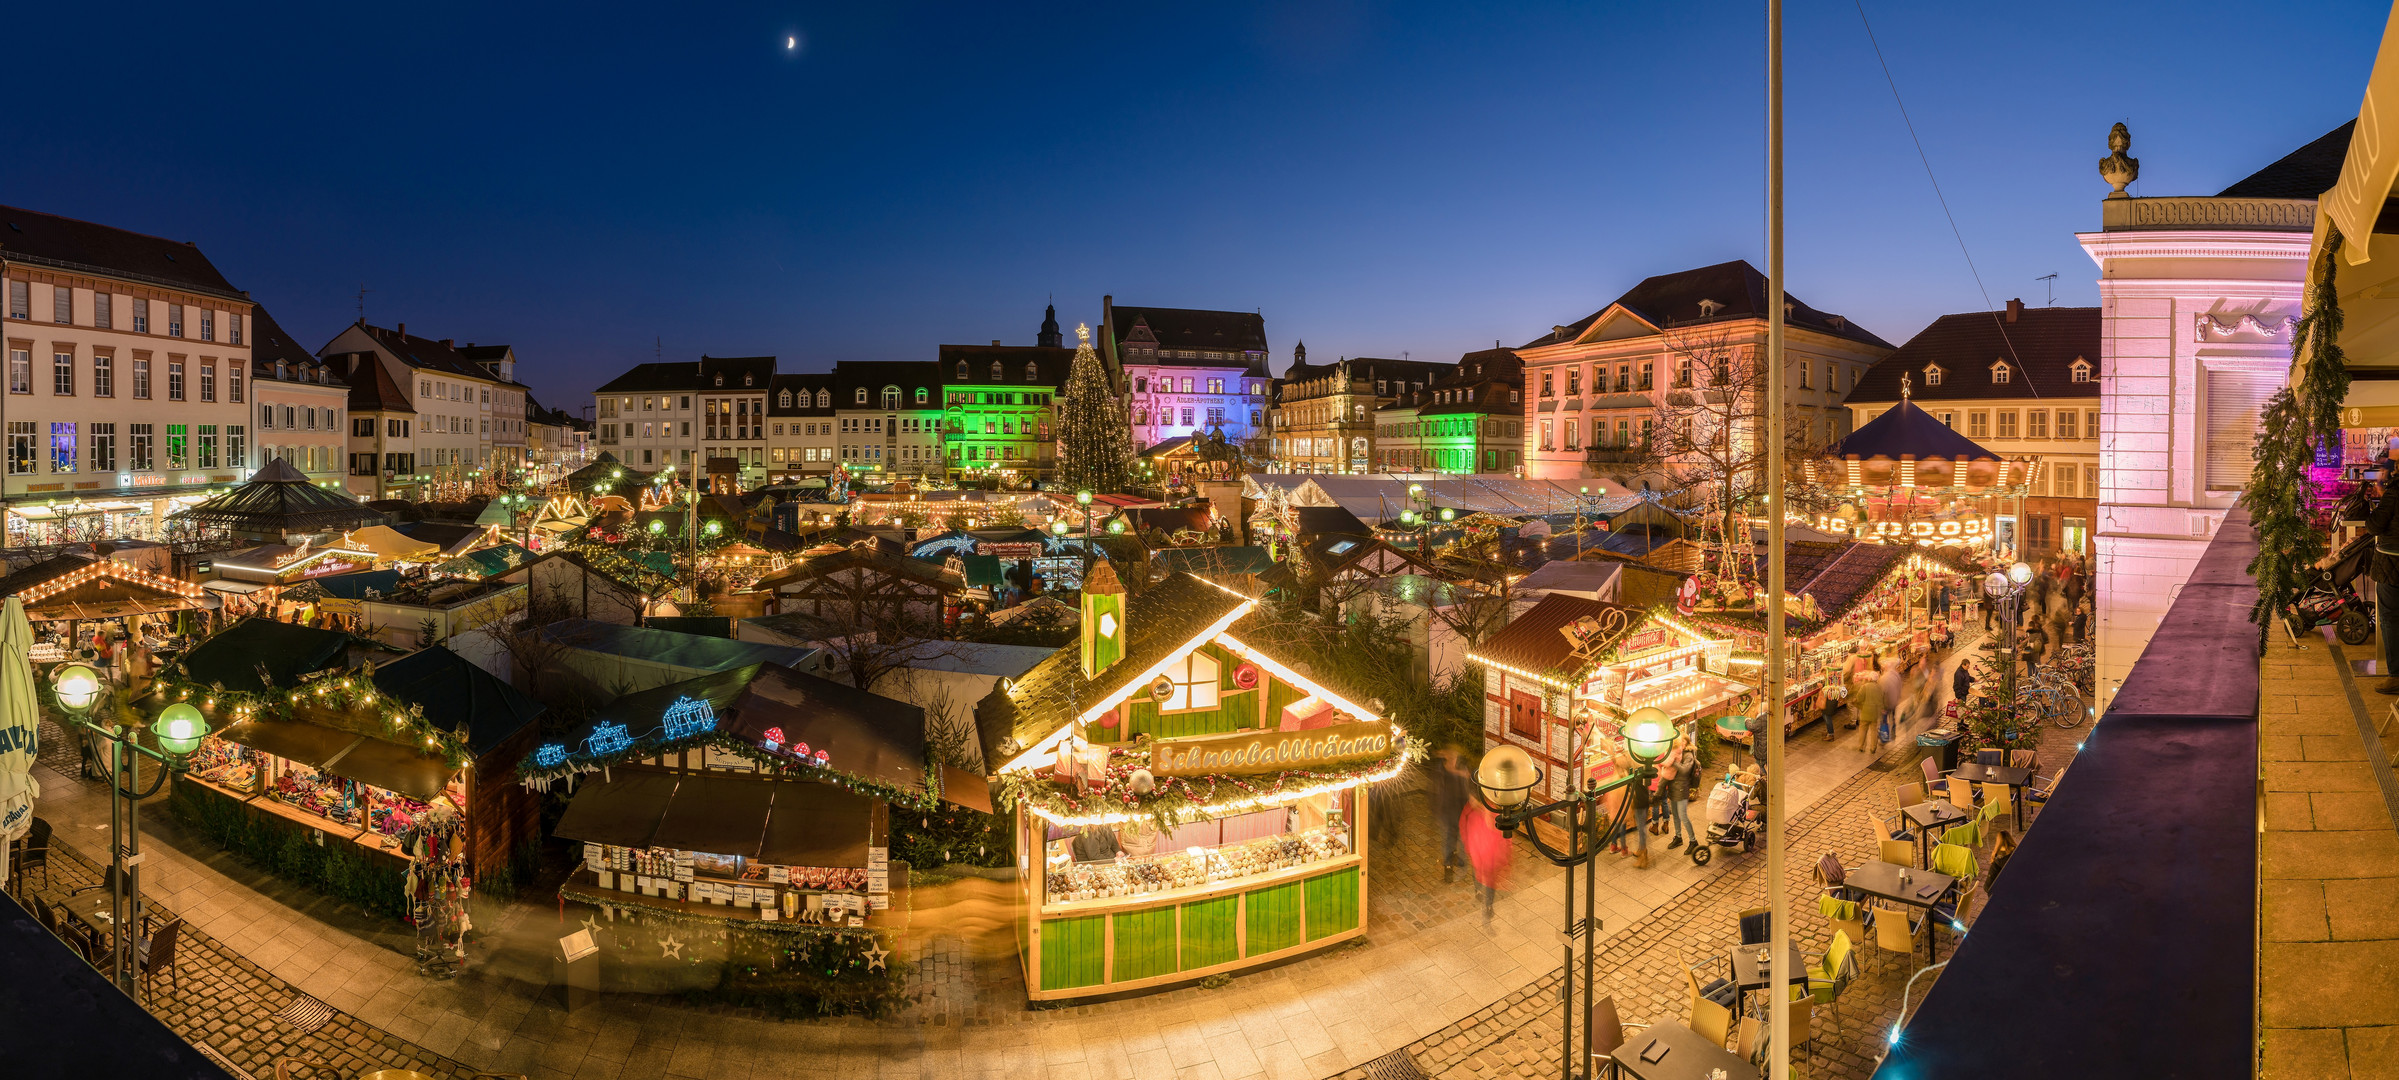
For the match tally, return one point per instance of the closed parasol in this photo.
(18, 720)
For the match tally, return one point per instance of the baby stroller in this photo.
(1728, 821)
(2326, 597)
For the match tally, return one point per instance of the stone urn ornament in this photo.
(2117, 168)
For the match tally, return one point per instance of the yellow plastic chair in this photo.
(1899, 852)
(1966, 835)
(1955, 861)
(1961, 794)
(1876, 825)
(1846, 917)
(1999, 800)
(1895, 931)
(1910, 794)
(1713, 1022)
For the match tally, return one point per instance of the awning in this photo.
(623, 811)
(720, 815)
(295, 740)
(236, 587)
(962, 788)
(2357, 203)
(817, 825)
(393, 767)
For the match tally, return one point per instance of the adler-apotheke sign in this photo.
(1270, 751)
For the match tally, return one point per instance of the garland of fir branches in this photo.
(1173, 800)
(535, 775)
(2295, 421)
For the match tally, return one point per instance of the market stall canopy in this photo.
(293, 740)
(274, 564)
(864, 735)
(234, 658)
(351, 587)
(454, 538)
(489, 562)
(782, 822)
(453, 691)
(496, 514)
(385, 542)
(83, 587)
(276, 501)
(394, 767)
(1379, 500)
(1535, 643)
(667, 648)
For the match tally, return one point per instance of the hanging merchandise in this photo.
(438, 888)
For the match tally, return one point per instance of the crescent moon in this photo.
(791, 43)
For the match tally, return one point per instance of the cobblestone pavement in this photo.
(1639, 965)
(1429, 961)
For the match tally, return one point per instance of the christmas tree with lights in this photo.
(1095, 447)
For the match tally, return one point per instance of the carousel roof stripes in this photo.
(1907, 431)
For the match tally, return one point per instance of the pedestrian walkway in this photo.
(1429, 962)
(2328, 934)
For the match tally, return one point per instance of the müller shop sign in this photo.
(1270, 751)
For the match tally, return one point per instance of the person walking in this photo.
(2383, 524)
(1894, 689)
(1677, 777)
(1488, 850)
(1961, 681)
(1866, 693)
(1449, 804)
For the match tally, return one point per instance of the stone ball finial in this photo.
(2117, 168)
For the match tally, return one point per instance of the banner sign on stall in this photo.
(1270, 751)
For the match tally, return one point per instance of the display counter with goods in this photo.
(1186, 804)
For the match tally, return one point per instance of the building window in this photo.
(233, 381)
(104, 375)
(22, 434)
(208, 446)
(138, 452)
(2066, 420)
(1932, 374)
(141, 376)
(1999, 372)
(174, 379)
(103, 311)
(62, 374)
(141, 315)
(104, 448)
(20, 300)
(208, 381)
(2062, 481)
(174, 320)
(208, 325)
(2081, 371)
(178, 447)
(1978, 424)
(233, 329)
(1195, 682)
(62, 304)
(63, 451)
(1548, 388)
(2007, 424)
(2036, 424)
(1574, 439)
(1186, 416)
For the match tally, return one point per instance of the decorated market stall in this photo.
(277, 504)
(1187, 805)
(744, 815)
(400, 778)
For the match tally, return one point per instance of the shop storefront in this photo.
(1186, 805)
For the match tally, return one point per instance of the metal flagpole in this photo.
(1778, 898)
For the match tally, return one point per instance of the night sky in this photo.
(580, 181)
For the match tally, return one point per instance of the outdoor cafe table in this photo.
(1680, 1054)
(1998, 774)
(1924, 888)
(1928, 816)
(93, 909)
(1750, 964)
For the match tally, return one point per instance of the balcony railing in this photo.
(1616, 455)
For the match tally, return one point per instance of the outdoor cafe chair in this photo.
(1898, 852)
(1955, 861)
(1988, 756)
(1965, 836)
(1960, 794)
(2024, 759)
(1910, 793)
(34, 854)
(1757, 926)
(1608, 1034)
(1895, 930)
(157, 952)
(1711, 1020)
(1847, 918)
(1935, 781)
(1832, 875)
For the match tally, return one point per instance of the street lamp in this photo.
(1505, 783)
(1083, 498)
(180, 730)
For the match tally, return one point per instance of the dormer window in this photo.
(1032, 372)
(720, 378)
(1999, 372)
(962, 369)
(995, 371)
(921, 396)
(2082, 370)
(861, 395)
(280, 373)
(748, 379)
(824, 399)
(1709, 308)
(1932, 375)
(891, 397)
(783, 400)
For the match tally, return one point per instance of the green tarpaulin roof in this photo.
(233, 658)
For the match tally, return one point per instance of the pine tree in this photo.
(2295, 422)
(1095, 446)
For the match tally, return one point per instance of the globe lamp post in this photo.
(179, 730)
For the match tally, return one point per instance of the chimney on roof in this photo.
(400, 329)
(448, 343)
(995, 342)
(2014, 308)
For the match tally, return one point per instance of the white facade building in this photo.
(2196, 300)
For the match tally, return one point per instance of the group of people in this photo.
(2055, 609)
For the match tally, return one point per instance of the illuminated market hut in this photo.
(1564, 674)
(372, 760)
(1186, 804)
(67, 590)
(1906, 477)
(772, 782)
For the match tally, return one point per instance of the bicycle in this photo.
(2057, 698)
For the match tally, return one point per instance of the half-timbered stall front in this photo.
(862, 587)
(1186, 804)
(1565, 673)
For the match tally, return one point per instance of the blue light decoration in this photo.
(550, 755)
(686, 717)
(606, 739)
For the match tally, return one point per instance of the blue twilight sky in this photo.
(581, 180)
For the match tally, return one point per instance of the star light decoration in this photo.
(670, 948)
(875, 957)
